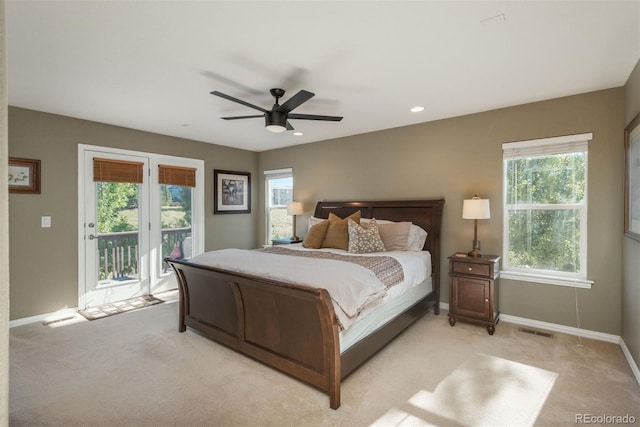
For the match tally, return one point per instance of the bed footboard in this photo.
(291, 328)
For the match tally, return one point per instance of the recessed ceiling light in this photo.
(298, 133)
(417, 109)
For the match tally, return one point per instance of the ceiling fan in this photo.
(277, 119)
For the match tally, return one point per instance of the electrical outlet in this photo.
(45, 222)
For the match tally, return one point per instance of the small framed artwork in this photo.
(24, 176)
(231, 192)
(632, 179)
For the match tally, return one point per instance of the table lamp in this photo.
(293, 209)
(475, 209)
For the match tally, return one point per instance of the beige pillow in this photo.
(395, 235)
(337, 235)
(364, 239)
(315, 235)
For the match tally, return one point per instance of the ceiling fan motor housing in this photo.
(275, 118)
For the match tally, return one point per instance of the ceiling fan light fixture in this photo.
(275, 128)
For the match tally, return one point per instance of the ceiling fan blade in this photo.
(242, 117)
(314, 117)
(289, 127)
(295, 101)
(239, 101)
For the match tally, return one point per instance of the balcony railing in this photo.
(118, 253)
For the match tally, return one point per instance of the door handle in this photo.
(91, 237)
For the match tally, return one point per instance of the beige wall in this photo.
(459, 157)
(44, 261)
(631, 248)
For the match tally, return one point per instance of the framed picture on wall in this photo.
(231, 192)
(632, 179)
(24, 176)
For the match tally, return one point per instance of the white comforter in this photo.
(351, 287)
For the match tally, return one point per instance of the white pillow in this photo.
(313, 221)
(417, 237)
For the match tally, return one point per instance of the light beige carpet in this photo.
(135, 369)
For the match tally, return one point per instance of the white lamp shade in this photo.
(294, 208)
(476, 208)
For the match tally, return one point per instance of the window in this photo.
(279, 192)
(545, 210)
(176, 199)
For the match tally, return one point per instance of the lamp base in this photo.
(475, 253)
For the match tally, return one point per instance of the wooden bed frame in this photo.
(294, 328)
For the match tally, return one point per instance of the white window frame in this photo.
(540, 148)
(269, 175)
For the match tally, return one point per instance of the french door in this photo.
(135, 209)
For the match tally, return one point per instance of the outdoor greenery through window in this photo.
(279, 192)
(175, 217)
(118, 216)
(117, 225)
(546, 207)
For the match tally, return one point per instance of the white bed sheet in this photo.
(375, 317)
(417, 285)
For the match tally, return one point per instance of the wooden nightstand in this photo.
(287, 241)
(473, 290)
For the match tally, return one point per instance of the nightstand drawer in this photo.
(462, 267)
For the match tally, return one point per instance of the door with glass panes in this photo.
(137, 210)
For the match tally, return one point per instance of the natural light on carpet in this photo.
(483, 391)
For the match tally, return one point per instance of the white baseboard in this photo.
(632, 363)
(585, 333)
(570, 330)
(48, 317)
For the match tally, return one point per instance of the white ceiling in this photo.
(150, 65)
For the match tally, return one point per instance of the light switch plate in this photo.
(45, 222)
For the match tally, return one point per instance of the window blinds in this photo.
(177, 175)
(546, 146)
(278, 173)
(109, 170)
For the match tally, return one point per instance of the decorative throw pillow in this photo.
(337, 235)
(364, 240)
(395, 235)
(315, 235)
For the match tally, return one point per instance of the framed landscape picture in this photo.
(231, 192)
(632, 179)
(24, 176)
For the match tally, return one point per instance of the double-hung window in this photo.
(279, 192)
(545, 210)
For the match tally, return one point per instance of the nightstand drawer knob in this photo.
(486, 300)
(470, 269)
